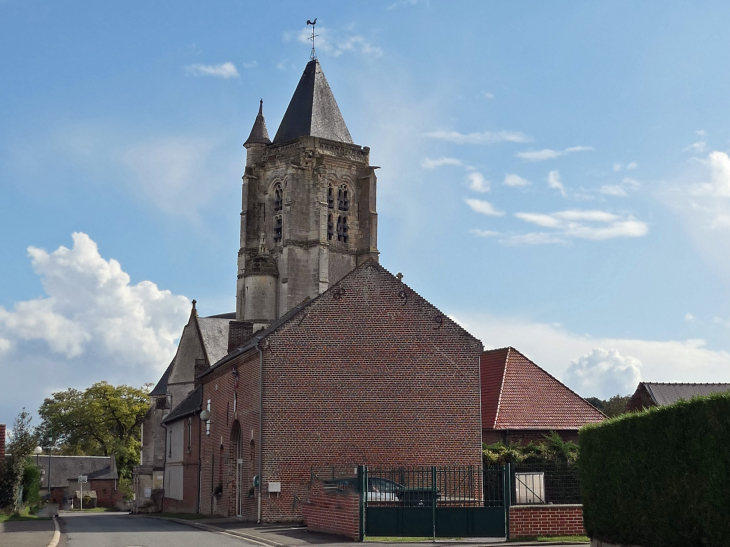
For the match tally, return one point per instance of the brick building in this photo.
(521, 402)
(367, 373)
(64, 471)
(649, 394)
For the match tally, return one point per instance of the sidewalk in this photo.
(27, 533)
(294, 535)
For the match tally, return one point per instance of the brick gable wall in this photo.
(369, 373)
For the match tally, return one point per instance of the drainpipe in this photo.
(200, 463)
(261, 424)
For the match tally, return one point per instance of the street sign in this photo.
(83, 478)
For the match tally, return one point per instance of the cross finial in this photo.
(194, 302)
(313, 55)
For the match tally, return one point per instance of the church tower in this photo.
(308, 213)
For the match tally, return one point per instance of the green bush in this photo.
(31, 484)
(659, 478)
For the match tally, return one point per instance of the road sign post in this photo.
(82, 480)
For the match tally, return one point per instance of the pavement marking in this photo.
(56, 534)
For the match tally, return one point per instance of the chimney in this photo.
(2, 442)
(201, 365)
(239, 332)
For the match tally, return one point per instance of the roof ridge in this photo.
(501, 386)
(687, 383)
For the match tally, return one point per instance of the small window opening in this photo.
(207, 424)
(278, 228)
(343, 198)
(330, 197)
(330, 227)
(342, 234)
(235, 401)
(278, 198)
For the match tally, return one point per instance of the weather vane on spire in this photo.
(313, 56)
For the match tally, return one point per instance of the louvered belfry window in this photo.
(343, 198)
(330, 227)
(278, 228)
(278, 198)
(342, 228)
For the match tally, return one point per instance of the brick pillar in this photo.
(239, 332)
(2, 442)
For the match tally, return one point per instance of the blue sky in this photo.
(553, 175)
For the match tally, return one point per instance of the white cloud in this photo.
(554, 348)
(604, 371)
(489, 95)
(613, 190)
(223, 70)
(549, 154)
(700, 197)
(632, 165)
(485, 137)
(619, 190)
(284, 65)
(585, 224)
(477, 182)
(689, 318)
(697, 147)
(555, 182)
(514, 180)
(484, 233)
(429, 163)
(483, 207)
(335, 42)
(701, 132)
(252, 64)
(91, 324)
(402, 3)
(617, 167)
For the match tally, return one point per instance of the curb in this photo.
(56, 534)
(210, 528)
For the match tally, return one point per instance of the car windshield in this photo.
(377, 484)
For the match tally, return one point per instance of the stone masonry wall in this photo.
(546, 520)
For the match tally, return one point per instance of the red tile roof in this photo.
(517, 394)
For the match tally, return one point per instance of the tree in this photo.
(21, 446)
(616, 405)
(99, 421)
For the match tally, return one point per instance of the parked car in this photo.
(385, 490)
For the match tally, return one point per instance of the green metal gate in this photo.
(434, 501)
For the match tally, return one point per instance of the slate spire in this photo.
(313, 110)
(259, 134)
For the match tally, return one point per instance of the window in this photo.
(330, 227)
(207, 424)
(169, 444)
(343, 198)
(235, 401)
(278, 228)
(278, 198)
(342, 229)
(330, 197)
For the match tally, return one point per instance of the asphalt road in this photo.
(122, 530)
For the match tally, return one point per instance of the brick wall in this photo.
(107, 494)
(369, 373)
(192, 429)
(546, 520)
(335, 513)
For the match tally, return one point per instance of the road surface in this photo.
(123, 530)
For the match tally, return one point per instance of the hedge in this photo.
(659, 478)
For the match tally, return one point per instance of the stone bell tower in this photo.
(308, 213)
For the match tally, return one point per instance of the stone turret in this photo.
(308, 213)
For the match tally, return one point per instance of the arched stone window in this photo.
(330, 227)
(278, 197)
(330, 197)
(343, 198)
(342, 228)
(278, 228)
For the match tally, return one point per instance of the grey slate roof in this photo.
(64, 468)
(668, 393)
(189, 405)
(259, 134)
(230, 315)
(214, 332)
(313, 110)
(161, 387)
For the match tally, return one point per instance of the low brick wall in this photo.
(335, 513)
(546, 520)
